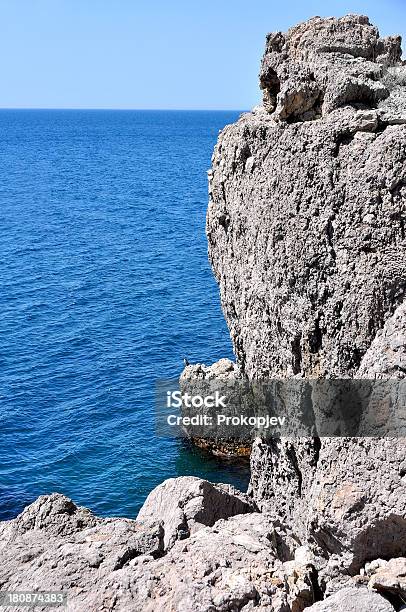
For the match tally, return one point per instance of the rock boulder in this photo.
(186, 504)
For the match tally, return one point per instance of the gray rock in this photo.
(389, 577)
(186, 504)
(349, 500)
(199, 379)
(230, 566)
(105, 564)
(358, 500)
(223, 369)
(323, 64)
(56, 546)
(305, 222)
(353, 600)
(306, 236)
(386, 357)
(55, 514)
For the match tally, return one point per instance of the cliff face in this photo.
(306, 221)
(306, 233)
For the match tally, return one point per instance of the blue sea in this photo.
(105, 286)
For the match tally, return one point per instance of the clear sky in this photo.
(166, 54)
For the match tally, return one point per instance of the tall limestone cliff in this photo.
(306, 220)
(306, 232)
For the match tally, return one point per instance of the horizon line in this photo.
(89, 108)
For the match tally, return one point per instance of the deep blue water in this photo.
(105, 285)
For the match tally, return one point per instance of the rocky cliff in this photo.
(306, 220)
(306, 234)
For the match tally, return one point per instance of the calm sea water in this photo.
(105, 285)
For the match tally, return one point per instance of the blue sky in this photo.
(151, 53)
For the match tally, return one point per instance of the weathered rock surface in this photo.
(231, 566)
(323, 64)
(305, 223)
(386, 357)
(351, 504)
(246, 562)
(353, 600)
(388, 577)
(185, 505)
(56, 546)
(106, 564)
(306, 233)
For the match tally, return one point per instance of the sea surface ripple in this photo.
(105, 286)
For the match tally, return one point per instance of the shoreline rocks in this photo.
(244, 562)
(198, 376)
(353, 600)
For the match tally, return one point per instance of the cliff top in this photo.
(325, 64)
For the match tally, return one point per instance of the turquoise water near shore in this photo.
(105, 286)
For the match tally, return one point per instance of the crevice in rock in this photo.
(367, 248)
(382, 126)
(395, 600)
(396, 296)
(343, 139)
(330, 232)
(367, 103)
(315, 337)
(395, 190)
(317, 449)
(244, 154)
(318, 594)
(312, 114)
(327, 542)
(296, 354)
(291, 454)
(128, 555)
(271, 86)
(224, 221)
(223, 191)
